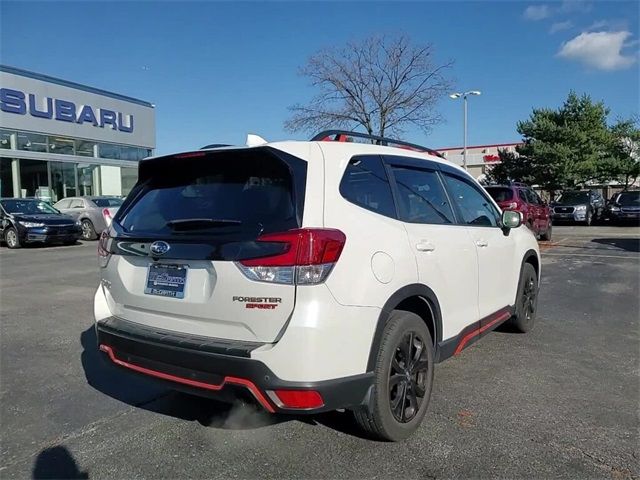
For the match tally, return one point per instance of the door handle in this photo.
(482, 243)
(425, 246)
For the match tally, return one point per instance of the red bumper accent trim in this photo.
(500, 316)
(248, 384)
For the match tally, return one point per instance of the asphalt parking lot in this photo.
(559, 402)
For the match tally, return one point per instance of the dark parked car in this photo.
(583, 206)
(26, 220)
(91, 212)
(524, 199)
(624, 207)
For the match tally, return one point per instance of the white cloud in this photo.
(536, 12)
(610, 25)
(560, 26)
(600, 50)
(579, 6)
(541, 11)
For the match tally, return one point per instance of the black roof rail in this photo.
(343, 136)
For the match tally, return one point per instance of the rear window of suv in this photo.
(500, 194)
(244, 192)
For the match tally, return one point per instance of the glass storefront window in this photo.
(63, 180)
(88, 179)
(84, 148)
(34, 179)
(128, 153)
(6, 180)
(129, 177)
(108, 150)
(61, 145)
(5, 138)
(32, 142)
(122, 152)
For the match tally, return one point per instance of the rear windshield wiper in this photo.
(200, 223)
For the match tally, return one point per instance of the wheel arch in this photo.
(415, 298)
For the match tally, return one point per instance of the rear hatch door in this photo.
(178, 237)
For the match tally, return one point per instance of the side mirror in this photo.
(511, 219)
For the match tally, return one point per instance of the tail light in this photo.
(107, 216)
(307, 257)
(103, 249)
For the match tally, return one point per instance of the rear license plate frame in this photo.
(166, 280)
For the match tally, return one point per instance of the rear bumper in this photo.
(215, 369)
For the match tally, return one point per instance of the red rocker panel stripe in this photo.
(500, 316)
(249, 385)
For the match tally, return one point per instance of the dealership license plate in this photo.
(166, 280)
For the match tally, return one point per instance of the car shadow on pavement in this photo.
(57, 462)
(147, 393)
(628, 244)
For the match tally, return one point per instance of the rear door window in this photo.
(76, 203)
(500, 194)
(239, 194)
(421, 197)
(524, 196)
(63, 204)
(365, 184)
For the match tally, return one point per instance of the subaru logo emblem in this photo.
(159, 248)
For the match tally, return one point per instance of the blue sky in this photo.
(217, 71)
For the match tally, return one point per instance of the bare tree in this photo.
(381, 84)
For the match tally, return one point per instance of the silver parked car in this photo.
(94, 213)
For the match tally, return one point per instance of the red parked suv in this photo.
(521, 198)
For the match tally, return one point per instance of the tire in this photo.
(88, 230)
(396, 407)
(527, 300)
(11, 238)
(546, 236)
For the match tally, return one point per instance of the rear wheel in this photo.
(403, 379)
(11, 238)
(527, 301)
(546, 236)
(88, 230)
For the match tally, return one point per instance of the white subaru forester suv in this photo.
(314, 276)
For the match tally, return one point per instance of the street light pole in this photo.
(464, 98)
(464, 151)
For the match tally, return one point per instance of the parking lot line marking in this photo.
(626, 257)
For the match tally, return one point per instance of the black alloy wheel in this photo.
(403, 377)
(407, 377)
(527, 300)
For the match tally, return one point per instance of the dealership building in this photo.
(60, 139)
(480, 158)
